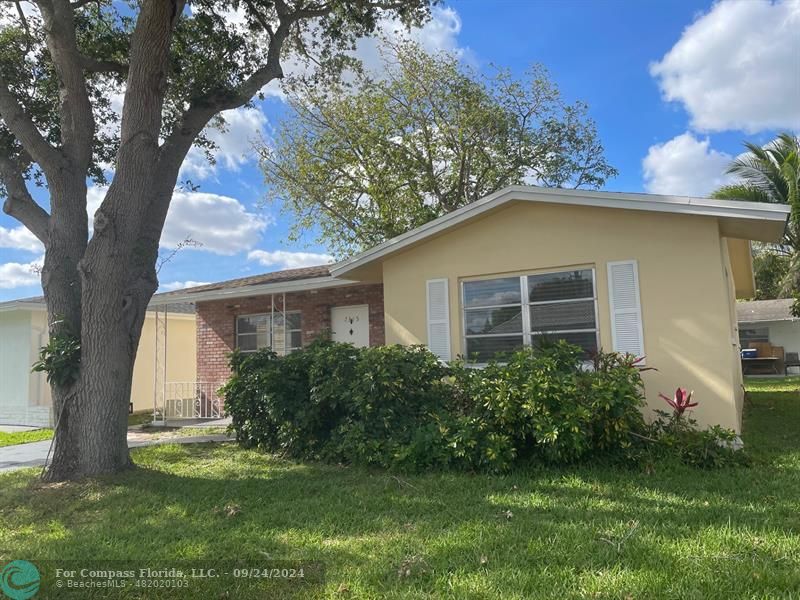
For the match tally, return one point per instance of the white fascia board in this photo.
(12, 306)
(298, 285)
(645, 202)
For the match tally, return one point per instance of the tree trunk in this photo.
(91, 432)
(92, 415)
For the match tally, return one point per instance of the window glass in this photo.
(559, 316)
(506, 319)
(492, 292)
(753, 334)
(560, 286)
(253, 332)
(483, 349)
(586, 340)
(559, 306)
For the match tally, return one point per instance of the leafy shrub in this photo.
(400, 407)
(545, 402)
(677, 436)
(395, 402)
(293, 403)
(60, 358)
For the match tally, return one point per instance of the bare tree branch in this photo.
(24, 129)
(77, 118)
(19, 203)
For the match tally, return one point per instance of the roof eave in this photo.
(12, 306)
(673, 204)
(298, 285)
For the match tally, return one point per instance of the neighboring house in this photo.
(25, 396)
(769, 321)
(655, 276)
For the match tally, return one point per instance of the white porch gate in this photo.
(179, 399)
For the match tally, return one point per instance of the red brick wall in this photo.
(216, 321)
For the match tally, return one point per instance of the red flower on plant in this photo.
(681, 401)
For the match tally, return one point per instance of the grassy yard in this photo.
(583, 532)
(37, 435)
(24, 437)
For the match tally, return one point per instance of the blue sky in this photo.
(674, 86)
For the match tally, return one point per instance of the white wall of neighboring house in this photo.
(24, 396)
(781, 333)
(784, 333)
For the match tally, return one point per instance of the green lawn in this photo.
(36, 435)
(23, 437)
(583, 532)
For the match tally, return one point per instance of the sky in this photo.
(675, 87)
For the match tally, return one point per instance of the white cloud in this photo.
(14, 275)
(685, 166)
(737, 67)
(220, 223)
(439, 33)
(234, 143)
(179, 285)
(282, 259)
(19, 238)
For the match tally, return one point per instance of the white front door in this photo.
(350, 324)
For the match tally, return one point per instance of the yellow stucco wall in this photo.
(181, 357)
(689, 333)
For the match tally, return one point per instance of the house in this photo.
(769, 321)
(656, 276)
(25, 396)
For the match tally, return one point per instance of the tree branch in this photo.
(24, 129)
(93, 65)
(76, 116)
(20, 204)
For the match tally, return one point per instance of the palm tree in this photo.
(770, 174)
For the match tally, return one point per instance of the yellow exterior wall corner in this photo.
(685, 296)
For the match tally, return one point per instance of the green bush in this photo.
(400, 407)
(677, 437)
(544, 402)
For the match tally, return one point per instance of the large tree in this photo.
(385, 151)
(177, 65)
(771, 173)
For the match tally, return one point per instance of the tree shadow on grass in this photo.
(544, 532)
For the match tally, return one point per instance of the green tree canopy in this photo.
(369, 159)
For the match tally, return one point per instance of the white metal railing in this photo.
(191, 400)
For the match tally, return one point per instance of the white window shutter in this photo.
(626, 308)
(438, 318)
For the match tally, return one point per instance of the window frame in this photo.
(525, 306)
(271, 320)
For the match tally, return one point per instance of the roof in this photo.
(183, 300)
(738, 219)
(764, 310)
(37, 303)
(288, 280)
(243, 282)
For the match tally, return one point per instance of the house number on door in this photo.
(350, 321)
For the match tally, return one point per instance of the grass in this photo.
(37, 435)
(140, 418)
(24, 437)
(581, 532)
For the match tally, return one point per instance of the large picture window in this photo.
(504, 314)
(281, 332)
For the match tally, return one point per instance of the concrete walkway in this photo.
(34, 454)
